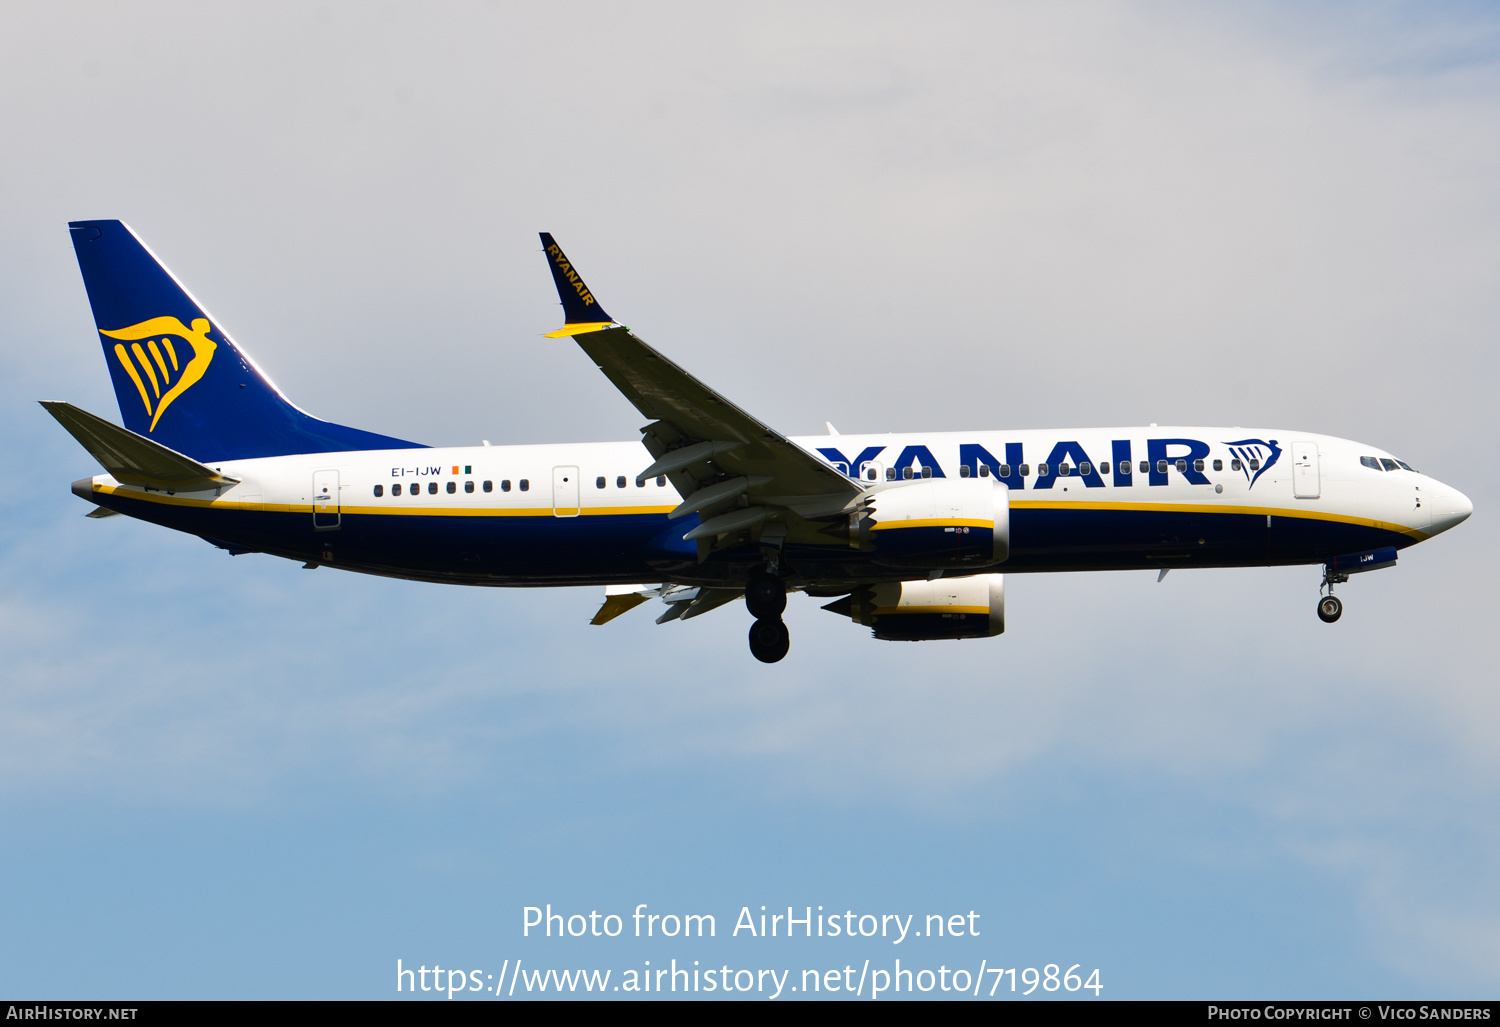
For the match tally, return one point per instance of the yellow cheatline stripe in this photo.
(156, 352)
(605, 511)
(1214, 508)
(934, 522)
(134, 376)
(170, 351)
(577, 329)
(140, 355)
(883, 610)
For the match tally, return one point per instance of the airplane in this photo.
(909, 534)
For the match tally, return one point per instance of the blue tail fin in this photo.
(179, 377)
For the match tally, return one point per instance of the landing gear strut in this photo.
(1330, 608)
(765, 598)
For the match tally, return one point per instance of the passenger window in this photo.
(661, 481)
(1041, 469)
(1255, 463)
(432, 488)
(1005, 470)
(489, 486)
(620, 482)
(1125, 468)
(1085, 468)
(984, 470)
(1161, 467)
(505, 485)
(927, 472)
(641, 483)
(395, 490)
(468, 486)
(1182, 467)
(963, 470)
(1235, 465)
(379, 491)
(452, 487)
(1063, 470)
(1370, 462)
(1146, 466)
(1218, 465)
(890, 474)
(599, 482)
(1389, 464)
(1025, 471)
(1198, 465)
(525, 484)
(871, 474)
(906, 472)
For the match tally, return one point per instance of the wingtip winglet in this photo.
(581, 311)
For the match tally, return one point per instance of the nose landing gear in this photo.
(1330, 608)
(765, 598)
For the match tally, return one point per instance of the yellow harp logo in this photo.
(152, 360)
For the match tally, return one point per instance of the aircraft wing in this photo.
(713, 451)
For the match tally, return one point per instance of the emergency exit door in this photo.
(565, 492)
(325, 501)
(1306, 482)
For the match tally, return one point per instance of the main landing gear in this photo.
(765, 598)
(1330, 608)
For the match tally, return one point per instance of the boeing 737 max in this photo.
(907, 533)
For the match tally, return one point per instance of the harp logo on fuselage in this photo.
(159, 372)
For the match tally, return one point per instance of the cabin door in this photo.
(1306, 482)
(325, 501)
(565, 492)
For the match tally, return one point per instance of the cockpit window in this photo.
(1389, 464)
(1406, 466)
(1370, 462)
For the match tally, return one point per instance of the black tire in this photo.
(769, 640)
(1330, 609)
(765, 597)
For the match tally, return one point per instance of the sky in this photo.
(226, 777)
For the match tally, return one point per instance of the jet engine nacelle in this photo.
(916, 611)
(950, 523)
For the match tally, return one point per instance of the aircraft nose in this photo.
(1450, 508)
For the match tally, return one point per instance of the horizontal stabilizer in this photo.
(134, 459)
